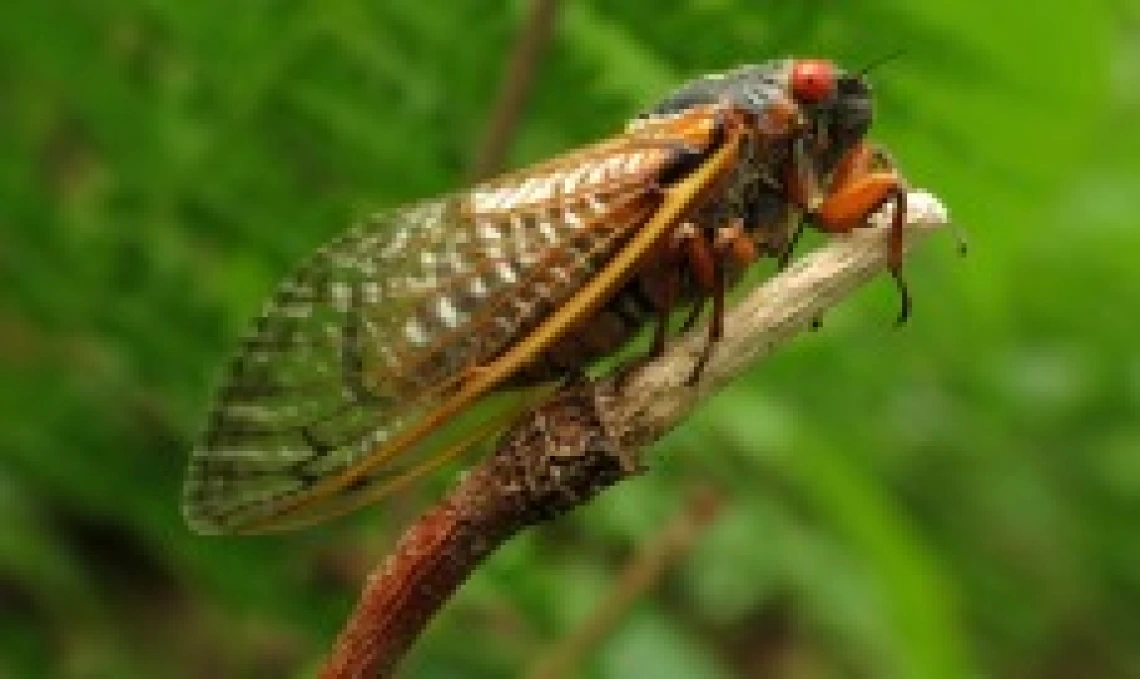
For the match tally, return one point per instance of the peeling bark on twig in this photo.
(588, 437)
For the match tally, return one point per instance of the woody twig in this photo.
(590, 436)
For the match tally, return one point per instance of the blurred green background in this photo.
(959, 498)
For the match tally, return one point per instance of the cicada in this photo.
(424, 331)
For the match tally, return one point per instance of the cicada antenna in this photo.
(875, 63)
(961, 242)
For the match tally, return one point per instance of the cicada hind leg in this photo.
(689, 271)
(709, 263)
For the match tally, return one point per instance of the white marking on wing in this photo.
(548, 231)
(597, 174)
(458, 264)
(482, 201)
(571, 179)
(373, 292)
(573, 219)
(478, 289)
(487, 231)
(614, 164)
(544, 190)
(506, 273)
(447, 312)
(632, 162)
(415, 333)
(399, 240)
(526, 188)
(295, 311)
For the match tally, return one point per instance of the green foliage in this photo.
(953, 499)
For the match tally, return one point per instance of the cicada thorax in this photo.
(756, 194)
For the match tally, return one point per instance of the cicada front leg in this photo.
(863, 182)
(785, 257)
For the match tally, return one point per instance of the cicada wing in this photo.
(357, 376)
(348, 353)
(443, 450)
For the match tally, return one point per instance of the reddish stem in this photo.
(401, 596)
(556, 458)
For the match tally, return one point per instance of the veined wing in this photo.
(368, 366)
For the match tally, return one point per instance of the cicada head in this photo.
(795, 105)
(836, 103)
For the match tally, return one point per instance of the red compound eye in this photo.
(812, 80)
